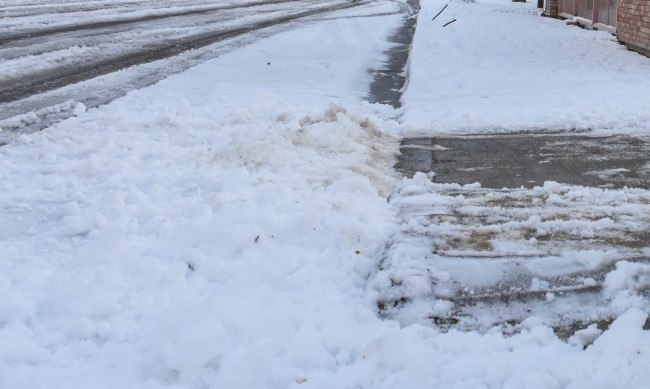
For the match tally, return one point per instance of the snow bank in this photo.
(191, 247)
(184, 247)
(204, 231)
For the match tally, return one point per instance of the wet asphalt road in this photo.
(212, 31)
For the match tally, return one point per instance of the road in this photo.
(55, 55)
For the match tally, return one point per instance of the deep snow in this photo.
(221, 228)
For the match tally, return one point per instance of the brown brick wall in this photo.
(551, 8)
(633, 24)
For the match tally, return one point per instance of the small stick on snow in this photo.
(438, 14)
(449, 22)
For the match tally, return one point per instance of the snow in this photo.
(35, 56)
(19, 121)
(500, 67)
(223, 228)
(137, 262)
(465, 241)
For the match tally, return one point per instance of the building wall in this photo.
(633, 24)
(551, 8)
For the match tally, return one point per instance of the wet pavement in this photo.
(390, 80)
(528, 160)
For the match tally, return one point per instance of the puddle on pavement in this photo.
(516, 160)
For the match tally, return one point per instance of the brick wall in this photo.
(551, 8)
(633, 24)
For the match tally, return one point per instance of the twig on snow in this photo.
(438, 14)
(449, 22)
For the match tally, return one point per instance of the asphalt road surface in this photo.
(51, 54)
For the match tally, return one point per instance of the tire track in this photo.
(6, 39)
(13, 11)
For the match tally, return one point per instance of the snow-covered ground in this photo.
(223, 228)
(501, 67)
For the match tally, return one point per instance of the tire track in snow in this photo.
(10, 38)
(13, 11)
